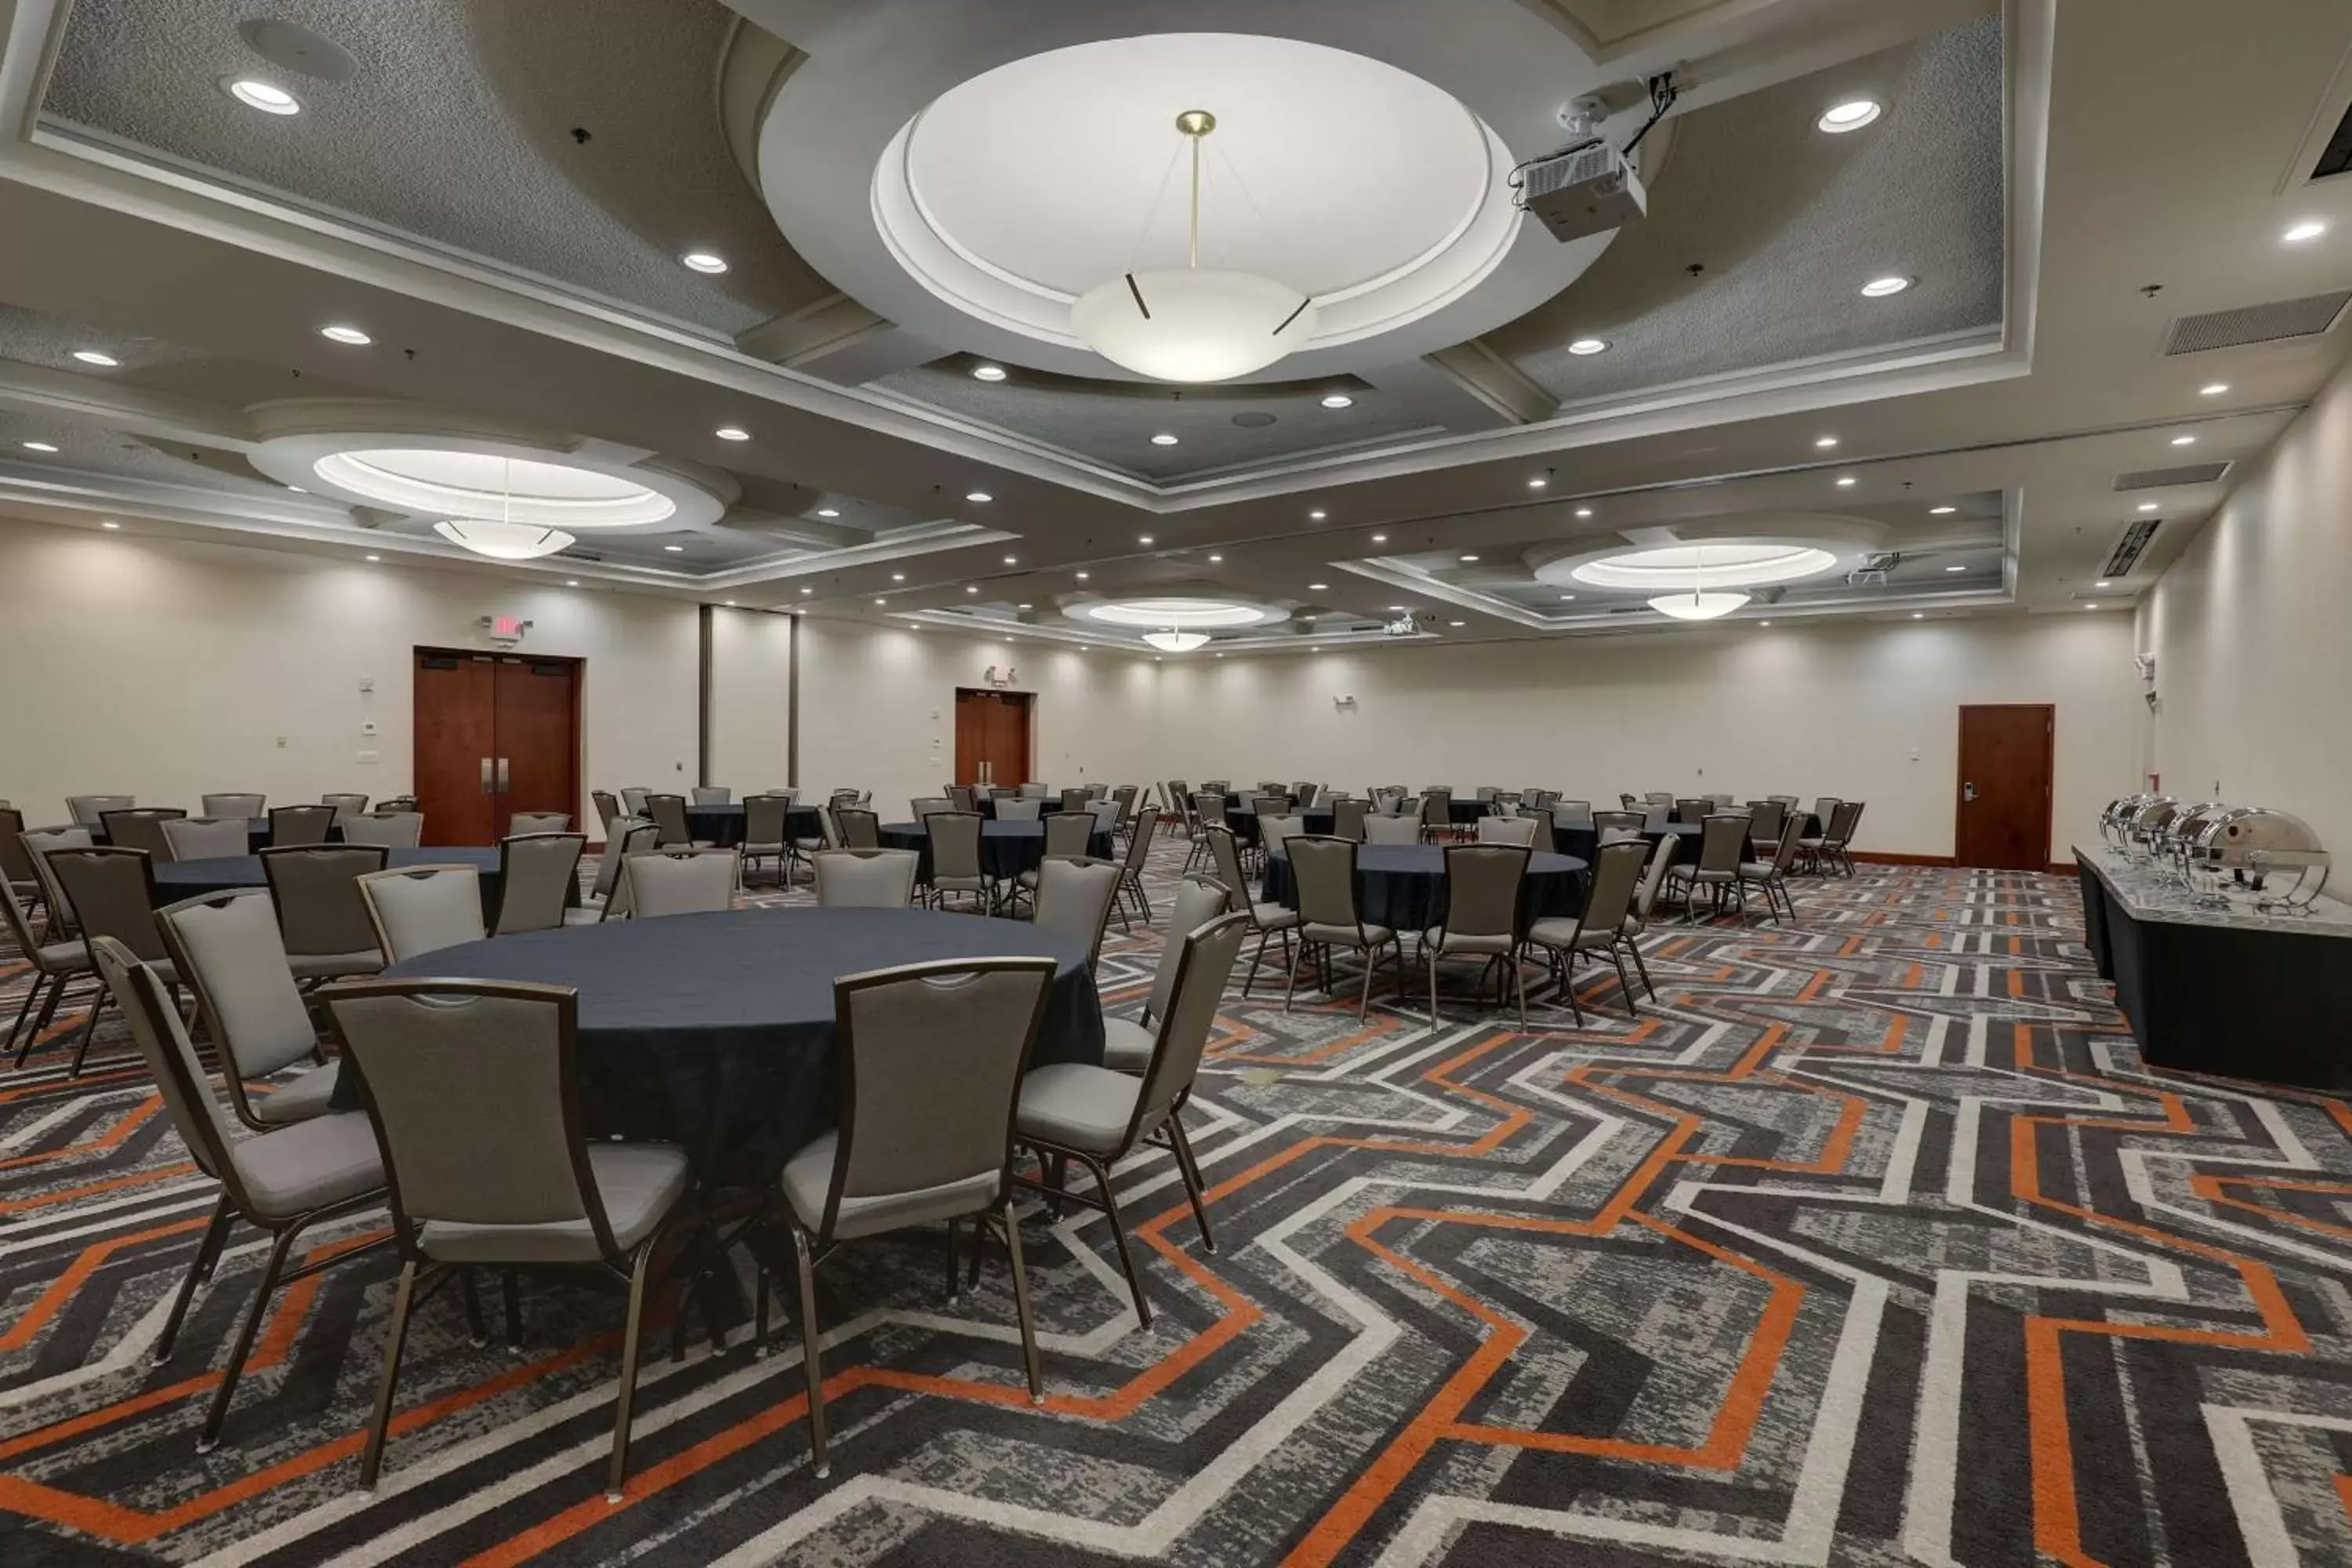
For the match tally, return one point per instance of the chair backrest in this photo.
(141, 828)
(1783, 799)
(1108, 813)
(866, 878)
(1519, 830)
(1205, 966)
(1661, 860)
(962, 797)
(764, 819)
(1723, 841)
(393, 829)
(235, 805)
(1323, 872)
(163, 1041)
(1765, 819)
(669, 813)
(15, 861)
(89, 810)
(527, 822)
(1068, 833)
(1388, 829)
(1482, 887)
(227, 948)
(422, 908)
(1218, 787)
(1545, 841)
(294, 824)
(1693, 809)
(1613, 826)
(344, 804)
(608, 806)
(1664, 797)
(1032, 790)
(1306, 791)
(1616, 878)
(1572, 812)
(1198, 901)
(1348, 818)
(922, 806)
(712, 795)
(539, 874)
(930, 1062)
(208, 838)
(1487, 793)
(788, 795)
(1075, 799)
(1276, 831)
(112, 892)
(315, 887)
(857, 828)
(1138, 843)
(1824, 810)
(1656, 818)
(632, 800)
(1209, 808)
(1265, 805)
(629, 835)
(674, 881)
(955, 842)
(1020, 808)
(1436, 808)
(1074, 898)
(472, 1091)
(1784, 854)
(1847, 816)
(1225, 850)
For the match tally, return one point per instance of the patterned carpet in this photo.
(1872, 1242)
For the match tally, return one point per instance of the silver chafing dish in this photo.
(2172, 845)
(2239, 851)
(2114, 823)
(2155, 814)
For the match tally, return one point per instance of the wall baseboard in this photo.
(1881, 857)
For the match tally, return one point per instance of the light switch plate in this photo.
(367, 726)
(371, 756)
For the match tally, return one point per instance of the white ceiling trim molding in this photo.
(75, 394)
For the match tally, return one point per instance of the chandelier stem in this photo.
(1193, 125)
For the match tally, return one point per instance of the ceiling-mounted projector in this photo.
(1404, 627)
(1580, 191)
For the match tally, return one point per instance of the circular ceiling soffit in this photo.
(1181, 612)
(1765, 551)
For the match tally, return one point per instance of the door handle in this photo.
(502, 775)
(1968, 792)
(486, 777)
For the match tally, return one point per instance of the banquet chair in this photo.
(142, 827)
(1070, 835)
(343, 805)
(1659, 797)
(393, 829)
(1127, 1042)
(1099, 1115)
(1127, 796)
(608, 806)
(37, 843)
(1074, 898)
(1110, 817)
(1771, 875)
(956, 864)
(420, 908)
(1546, 840)
(701, 880)
(607, 897)
(1808, 843)
(922, 806)
(471, 1093)
(1304, 794)
(632, 800)
(112, 892)
(1274, 833)
(1436, 814)
(866, 878)
(294, 824)
(712, 795)
(1323, 873)
(245, 805)
(1722, 848)
(1615, 826)
(1570, 813)
(1020, 808)
(1693, 809)
(539, 876)
(1348, 818)
(1601, 929)
(1487, 795)
(54, 965)
(1484, 883)
(764, 838)
(1132, 869)
(16, 873)
(227, 948)
(322, 918)
(857, 828)
(1657, 818)
(1270, 805)
(1388, 829)
(1076, 799)
(1764, 820)
(1645, 902)
(284, 1181)
(1518, 830)
(1032, 790)
(1218, 787)
(207, 837)
(1837, 833)
(962, 797)
(1788, 800)
(89, 810)
(1208, 811)
(668, 813)
(1267, 920)
(524, 823)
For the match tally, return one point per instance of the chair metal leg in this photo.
(90, 1030)
(32, 994)
(210, 1439)
(811, 1368)
(1255, 959)
(632, 1345)
(405, 1297)
(1643, 968)
(1371, 962)
(510, 1287)
(1624, 984)
(1011, 1224)
(199, 1267)
(954, 1289)
(1519, 985)
(475, 1327)
(1190, 1169)
(1428, 956)
(1290, 980)
(1118, 1234)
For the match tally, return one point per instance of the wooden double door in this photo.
(992, 736)
(496, 733)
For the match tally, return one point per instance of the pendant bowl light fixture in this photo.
(502, 538)
(1698, 604)
(1174, 641)
(1194, 323)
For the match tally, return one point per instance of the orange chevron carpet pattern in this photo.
(1871, 1240)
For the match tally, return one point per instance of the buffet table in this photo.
(2266, 997)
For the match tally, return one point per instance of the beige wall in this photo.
(2252, 643)
(1858, 711)
(751, 698)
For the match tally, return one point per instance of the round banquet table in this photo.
(177, 879)
(1585, 842)
(723, 824)
(1402, 886)
(1006, 849)
(716, 1032)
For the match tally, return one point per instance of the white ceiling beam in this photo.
(73, 396)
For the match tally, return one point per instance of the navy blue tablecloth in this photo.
(1006, 849)
(177, 879)
(1585, 842)
(1402, 886)
(716, 1032)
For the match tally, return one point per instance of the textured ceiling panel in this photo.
(1113, 422)
(458, 128)
(1788, 224)
(151, 364)
(87, 448)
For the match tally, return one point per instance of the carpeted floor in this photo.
(1870, 1242)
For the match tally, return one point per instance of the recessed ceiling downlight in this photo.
(342, 334)
(705, 261)
(1585, 347)
(503, 540)
(1851, 115)
(92, 356)
(256, 94)
(1880, 288)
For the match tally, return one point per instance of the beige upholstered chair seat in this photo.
(58, 957)
(1273, 917)
(1367, 935)
(1126, 1044)
(638, 1183)
(297, 1098)
(808, 1176)
(309, 1164)
(1078, 1106)
(1563, 931)
(1436, 937)
(334, 965)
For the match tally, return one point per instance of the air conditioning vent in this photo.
(2336, 158)
(2275, 322)
(576, 554)
(2129, 548)
(2157, 479)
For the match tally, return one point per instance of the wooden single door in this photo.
(2006, 774)
(991, 736)
(539, 749)
(495, 735)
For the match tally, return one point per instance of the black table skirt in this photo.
(1006, 849)
(180, 879)
(716, 1032)
(723, 824)
(1402, 886)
